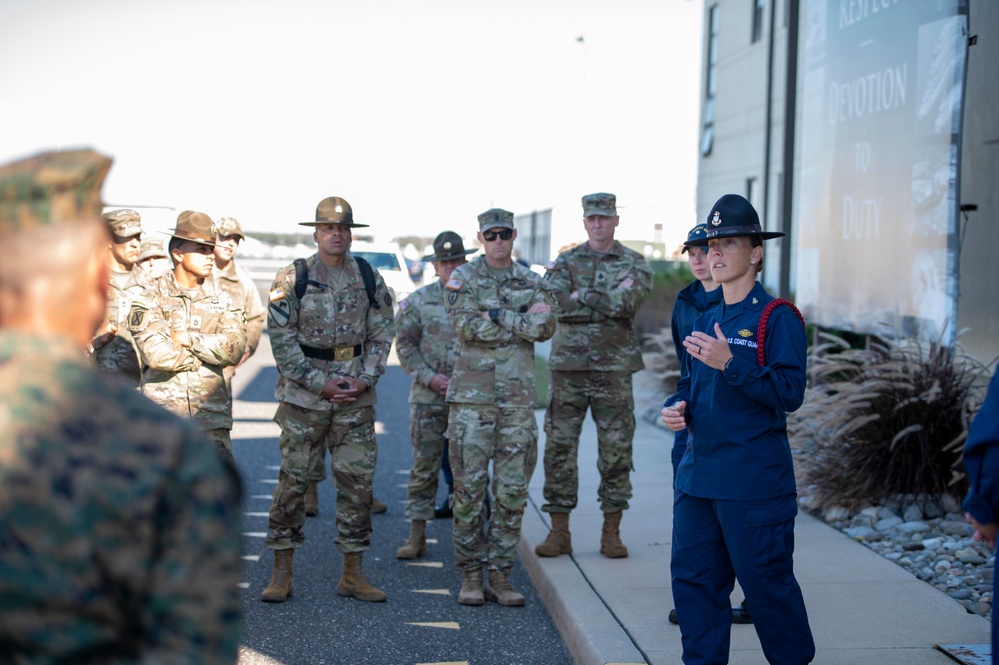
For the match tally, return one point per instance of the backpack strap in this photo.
(368, 277)
(761, 332)
(301, 277)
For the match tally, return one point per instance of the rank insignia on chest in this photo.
(755, 301)
(195, 322)
(745, 332)
(277, 294)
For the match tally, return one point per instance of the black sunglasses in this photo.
(505, 234)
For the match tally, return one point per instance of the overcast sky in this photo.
(420, 114)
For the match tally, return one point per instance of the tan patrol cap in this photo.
(230, 226)
(495, 218)
(51, 188)
(600, 204)
(151, 248)
(125, 223)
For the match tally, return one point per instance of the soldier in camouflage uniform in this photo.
(599, 284)
(113, 348)
(330, 347)
(187, 331)
(119, 538)
(498, 309)
(153, 259)
(426, 344)
(238, 285)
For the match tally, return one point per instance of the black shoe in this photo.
(444, 508)
(740, 613)
(672, 618)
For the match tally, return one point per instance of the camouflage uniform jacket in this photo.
(119, 527)
(596, 332)
(425, 341)
(495, 363)
(189, 381)
(328, 317)
(119, 356)
(238, 284)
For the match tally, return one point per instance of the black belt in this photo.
(339, 353)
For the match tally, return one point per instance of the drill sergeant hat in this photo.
(600, 204)
(334, 210)
(196, 227)
(230, 226)
(447, 247)
(124, 223)
(495, 218)
(51, 188)
(698, 231)
(732, 215)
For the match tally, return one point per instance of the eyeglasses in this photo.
(505, 234)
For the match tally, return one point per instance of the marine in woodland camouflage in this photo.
(188, 381)
(119, 527)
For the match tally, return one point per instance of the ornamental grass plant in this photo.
(884, 422)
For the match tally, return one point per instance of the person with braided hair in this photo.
(735, 494)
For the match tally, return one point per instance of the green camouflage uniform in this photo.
(426, 344)
(594, 353)
(243, 293)
(334, 313)
(189, 382)
(119, 356)
(492, 399)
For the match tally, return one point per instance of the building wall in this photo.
(739, 147)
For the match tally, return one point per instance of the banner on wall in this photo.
(878, 149)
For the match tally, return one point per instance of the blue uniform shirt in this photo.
(981, 459)
(691, 302)
(737, 447)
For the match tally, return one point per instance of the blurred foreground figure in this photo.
(118, 524)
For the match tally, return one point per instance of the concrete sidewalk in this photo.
(862, 608)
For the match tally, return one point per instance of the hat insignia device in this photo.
(716, 220)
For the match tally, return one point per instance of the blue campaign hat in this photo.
(693, 234)
(732, 215)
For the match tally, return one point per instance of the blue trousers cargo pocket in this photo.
(772, 526)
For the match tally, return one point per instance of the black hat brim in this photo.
(762, 235)
(350, 224)
(449, 257)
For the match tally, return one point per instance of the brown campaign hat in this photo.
(196, 227)
(495, 218)
(334, 210)
(51, 188)
(448, 246)
(230, 226)
(124, 223)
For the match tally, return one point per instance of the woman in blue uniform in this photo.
(735, 495)
(981, 460)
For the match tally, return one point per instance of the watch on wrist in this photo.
(494, 315)
(727, 363)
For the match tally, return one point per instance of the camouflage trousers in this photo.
(609, 397)
(427, 431)
(508, 437)
(306, 434)
(222, 439)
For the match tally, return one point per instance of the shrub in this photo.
(889, 421)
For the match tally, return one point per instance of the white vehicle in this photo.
(388, 260)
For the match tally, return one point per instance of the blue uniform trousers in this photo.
(715, 542)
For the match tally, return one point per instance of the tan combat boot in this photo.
(471, 588)
(559, 540)
(312, 499)
(377, 506)
(353, 582)
(279, 590)
(498, 590)
(416, 546)
(610, 539)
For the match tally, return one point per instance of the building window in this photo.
(708, 131)
(751, 189)
(758, 19)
